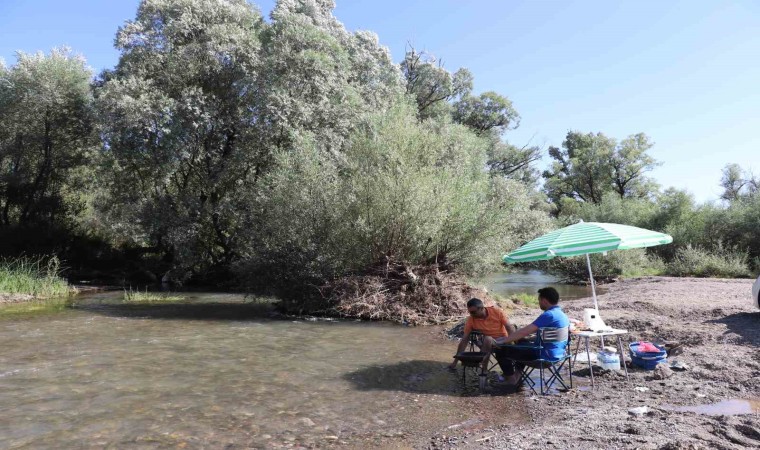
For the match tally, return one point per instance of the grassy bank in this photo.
(34, 307)
(39, 278)
(140, 297)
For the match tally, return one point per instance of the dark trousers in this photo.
(505, 355)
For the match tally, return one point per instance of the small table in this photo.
(600, 334)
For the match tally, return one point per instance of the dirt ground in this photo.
(720, 330)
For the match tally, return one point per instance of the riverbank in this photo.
(720, 331)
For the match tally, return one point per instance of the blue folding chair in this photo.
(545, 365)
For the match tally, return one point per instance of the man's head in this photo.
(547, 297)
(476, 308)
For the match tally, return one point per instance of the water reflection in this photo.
(529, 282)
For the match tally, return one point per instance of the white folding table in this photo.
(587, 335)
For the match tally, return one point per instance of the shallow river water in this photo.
(217, 374)
(215, 371)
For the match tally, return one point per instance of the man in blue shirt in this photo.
(553, 316)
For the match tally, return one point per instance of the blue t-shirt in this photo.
(556, 318)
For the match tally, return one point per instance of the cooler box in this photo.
(647, 360)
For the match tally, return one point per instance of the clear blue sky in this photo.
(687, 73)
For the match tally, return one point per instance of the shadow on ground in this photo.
(744, 324)
(421, 377)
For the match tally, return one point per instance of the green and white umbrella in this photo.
(585, 238)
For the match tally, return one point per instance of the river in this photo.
(216, 371)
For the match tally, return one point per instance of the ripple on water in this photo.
(164, 379)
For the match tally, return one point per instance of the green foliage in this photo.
(137, 296)
(431, 85)
(591, 165)
(737, 183)
(403, 190)
(487, 112)
(46, 139)
(622, 263)
(34, 307)
(176, 115)
(205, 97)
(720, 262)
(39, 278)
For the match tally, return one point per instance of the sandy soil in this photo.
(720, 331)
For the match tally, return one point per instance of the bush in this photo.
(720, 262)
(39, 278)
(403, 192)
(621, 263)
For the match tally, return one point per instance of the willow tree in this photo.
(46, 139)
(317, 78)
(178, 115)
(204, 94)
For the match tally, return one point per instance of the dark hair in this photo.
(550, 294)
(475, 302)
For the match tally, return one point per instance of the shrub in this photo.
(720, 262)
(403, 192)
(621, 263)
(136, 296)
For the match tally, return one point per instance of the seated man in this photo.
(495, 327)
(553, 316)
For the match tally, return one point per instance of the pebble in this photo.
(661, 372)
(640, 389)
(638, 412)
(307, 422)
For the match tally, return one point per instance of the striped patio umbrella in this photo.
(585, 238)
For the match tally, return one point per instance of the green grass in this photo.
(138, 296)
(525, 299)
(38, 277)
(530, 300)
(34, 307)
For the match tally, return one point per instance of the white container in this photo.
(609, 360)
(592, 320)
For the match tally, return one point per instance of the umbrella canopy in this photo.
(585, 238)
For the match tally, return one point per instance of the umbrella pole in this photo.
(593, 284)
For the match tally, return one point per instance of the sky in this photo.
(686, 73)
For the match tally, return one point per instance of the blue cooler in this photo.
(647, 360)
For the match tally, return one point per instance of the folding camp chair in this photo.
(545, 365)
(472, 358)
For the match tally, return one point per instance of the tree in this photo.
(737, 183)
(46, 139)
(204, 97)
(513, 162)
(629, 162)
(580, 170)
(590, 165)
(319, 79)
(431, 85)
(177, 115)
(487, 112)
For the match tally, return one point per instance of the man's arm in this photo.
(460, 348)
(521, 333)
(511, 328)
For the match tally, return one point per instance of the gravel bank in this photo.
(720, 331)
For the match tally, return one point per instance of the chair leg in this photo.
(525, 378)
(541, 378)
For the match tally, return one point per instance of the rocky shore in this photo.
(713, 404)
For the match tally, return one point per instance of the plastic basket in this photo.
(647, 360)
